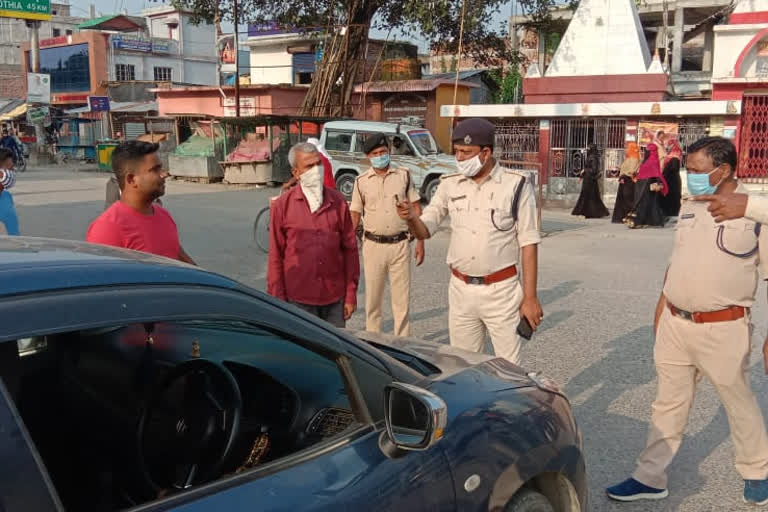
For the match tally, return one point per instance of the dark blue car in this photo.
(133, 382)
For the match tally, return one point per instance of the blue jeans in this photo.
(8, 213)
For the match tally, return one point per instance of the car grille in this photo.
(329, 422)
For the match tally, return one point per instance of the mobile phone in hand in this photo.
(524, 328)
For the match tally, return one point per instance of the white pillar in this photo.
(677, 41)
(709, 49)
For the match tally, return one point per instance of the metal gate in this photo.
(517, 140)
(689, 130)
(570, 139)
(753, 147)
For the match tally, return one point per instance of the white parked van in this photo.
(411, 147)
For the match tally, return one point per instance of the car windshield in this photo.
(424, 142)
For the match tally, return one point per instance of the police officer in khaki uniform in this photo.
(386, 247)
(703, 328)
(493, 215)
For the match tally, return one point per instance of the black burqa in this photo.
(590, 204)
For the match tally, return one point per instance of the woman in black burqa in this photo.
(590, 204)
(670, 204)
(649, 189)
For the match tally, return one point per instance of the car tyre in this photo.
(345, 183)
(529, 500)
(431, 188)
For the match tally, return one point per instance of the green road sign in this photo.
(26, 9)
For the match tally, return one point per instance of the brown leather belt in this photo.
(496, 277)
(386, 239)
(724, 315)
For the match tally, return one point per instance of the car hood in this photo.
(451, 360)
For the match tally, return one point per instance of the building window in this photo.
(302, 79)
(68, 66)
(163, 74)
(69, 32)
(125, 72)
(56, 32)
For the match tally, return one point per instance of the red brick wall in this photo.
(11, 83)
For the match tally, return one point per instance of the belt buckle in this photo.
(686, 315)
(475, 280)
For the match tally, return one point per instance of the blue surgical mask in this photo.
(698, 184)
(381, 161)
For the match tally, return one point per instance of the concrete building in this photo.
(685, 48)
(14, 32)
(77, 64)
(289, 57)
(164, 46)
(601, 87)
(741, 74)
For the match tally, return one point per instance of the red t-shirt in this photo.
(122, 226)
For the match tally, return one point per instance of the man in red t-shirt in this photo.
(134, 222)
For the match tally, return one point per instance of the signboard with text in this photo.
(98, 103)
(37, 115)
(38, 87)
(26, 9)
(138, 44)
(247, 106)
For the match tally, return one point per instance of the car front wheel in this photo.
(431, 188)
(529, 500)
(345, 183)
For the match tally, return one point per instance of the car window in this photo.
(143, 382)
(424, 141)
(400, 146)
(338, 141)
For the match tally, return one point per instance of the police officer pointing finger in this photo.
(493, 214)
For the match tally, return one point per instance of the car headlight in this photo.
(545, 383)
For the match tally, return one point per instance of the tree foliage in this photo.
(345, 24)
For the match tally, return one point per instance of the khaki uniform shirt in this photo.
(485, 237)
(374, 198)
(702, 275)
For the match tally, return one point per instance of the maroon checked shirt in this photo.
(313, 257)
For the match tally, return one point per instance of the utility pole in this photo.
(237, 60)
(34, 54)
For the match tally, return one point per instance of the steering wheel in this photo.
(189, 426)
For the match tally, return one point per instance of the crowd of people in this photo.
(649, 192)
(702, 322)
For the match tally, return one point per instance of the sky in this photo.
(105, 7)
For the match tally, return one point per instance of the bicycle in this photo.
(261, 229)
(19, 163)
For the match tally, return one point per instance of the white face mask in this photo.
(312, 185)
(471, 166)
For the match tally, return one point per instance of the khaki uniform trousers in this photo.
(380, 261)
(475, 309)
(685, 351)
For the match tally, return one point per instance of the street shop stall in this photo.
(201, 148)
(256, 148)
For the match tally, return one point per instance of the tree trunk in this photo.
(342, 66)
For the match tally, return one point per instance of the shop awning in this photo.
(114, 22)
(14, 113)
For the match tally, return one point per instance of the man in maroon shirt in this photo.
(313, 260)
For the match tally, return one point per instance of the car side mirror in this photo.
(415, 417)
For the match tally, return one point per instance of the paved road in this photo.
(598, 283)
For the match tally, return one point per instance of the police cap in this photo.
(474, 132)
(374, 141)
